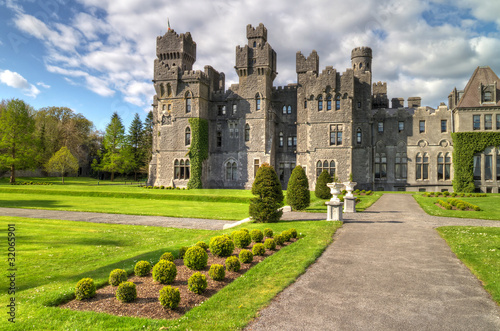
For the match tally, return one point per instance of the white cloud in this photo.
(15, 80)
(42, 84)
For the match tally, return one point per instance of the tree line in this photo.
(56, 139)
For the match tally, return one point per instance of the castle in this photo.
(328, 120)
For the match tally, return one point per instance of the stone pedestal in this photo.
(334, 211)
(349, 204)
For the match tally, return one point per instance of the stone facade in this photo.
(338, 121)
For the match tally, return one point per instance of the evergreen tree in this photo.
(298, 195)
(321, 190)
(114, 157)
(18, 144)
(61, 162)
(267, 187)
(135, 145)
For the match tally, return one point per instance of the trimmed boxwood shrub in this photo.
(197, 283)
(279, 239)
(196, 258)
(117, 276)
(286, 235)
(164, 272)
(170, 297)
(246, 256)
(217, 272)
(202, 244)
(258, 249)
(293, 232)
(85, 289)
(256, 235)
(245, 229)
(182, 251)
(241, 239)
(126, 292)
(268, 232)
(221, 246)
(322, 191)
(233, 264)
(265, 207)
(142, 268)
(167, 256)
(298, 196)
(270, 244)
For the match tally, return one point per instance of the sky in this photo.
(96, 56)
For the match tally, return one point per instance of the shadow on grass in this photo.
(42, 204)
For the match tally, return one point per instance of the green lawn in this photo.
(489, 207)
(479, 250)
(53, 255)
(318, 205)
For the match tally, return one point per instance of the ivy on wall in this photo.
(465, 145)
(198, 152)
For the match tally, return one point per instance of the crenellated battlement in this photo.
(311, 63)
(257, 32)
(361, 52)
(287, 88)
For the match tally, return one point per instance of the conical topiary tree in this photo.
(297, 194)
(321, 190)
(267, 188)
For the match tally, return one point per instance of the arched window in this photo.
(177, 170)
(254, 44)
(380, 166)
(284, 109)
(289, 109)
(235, 108)
(188, 136)
(328, 102)
(281, 139)
(188, 102)
(337, 102)
(247, 132)
(319, 168)
(231, 170)
(422, 162)
(328, 166)
(182, 169)
(187, 171)
(257, 102)
(358, 136)
(332, 169)
(320, 102)
(400, 166)
(162, 90)
(169, 90)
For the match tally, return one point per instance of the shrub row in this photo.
(165, 188)
(463, 205)
(454, 194)
(444, 204)
(31, 183)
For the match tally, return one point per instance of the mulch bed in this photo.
(147, 304)
(453, 208)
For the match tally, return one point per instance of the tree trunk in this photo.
(63, 179)
(112, 175)
(12, 173)
(135, 176)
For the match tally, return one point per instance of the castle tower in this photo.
(176, 50)
(361, 59)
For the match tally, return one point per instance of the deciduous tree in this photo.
(62, 161)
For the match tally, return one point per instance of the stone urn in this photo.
(349, 187)
(335, 189)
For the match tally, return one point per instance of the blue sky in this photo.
(96, 56)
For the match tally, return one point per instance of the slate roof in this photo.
(471, 97)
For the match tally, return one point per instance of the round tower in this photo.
(361, 59)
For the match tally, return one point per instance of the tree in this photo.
(17, 139)
(134, 145)
(61, 162)
(321, 190)
(298, 195)
(147, 137)
(265, 207)
(113, 158)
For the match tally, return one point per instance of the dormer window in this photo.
(487, 96)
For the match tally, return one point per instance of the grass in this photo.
(489, 207)
(479, 250)
(53, 255)
(318, 205)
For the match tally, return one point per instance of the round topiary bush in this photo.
(117, 276)
(217, 272)
(258, 249)
(221, 246)
(168, 257)
(197, 283)
(279, 240)
(246, 256)
(321, 190)
(233, 264)
(202, 244)
(293, 232)
(196, 258)
(164, 272)
(298, 196)
(126, 292)
(245, 229)
(142, 268)
(256, 235)
(241, 239)
(169, 297)
(182, 251)
(268, 233)
(286, 235)
(270, 244)
(85, 289)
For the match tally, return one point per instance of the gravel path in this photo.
(387, 269)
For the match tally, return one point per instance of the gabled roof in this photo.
(471, 97)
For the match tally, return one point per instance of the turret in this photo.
(304, 65)
(361, 59)
(174, 50)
